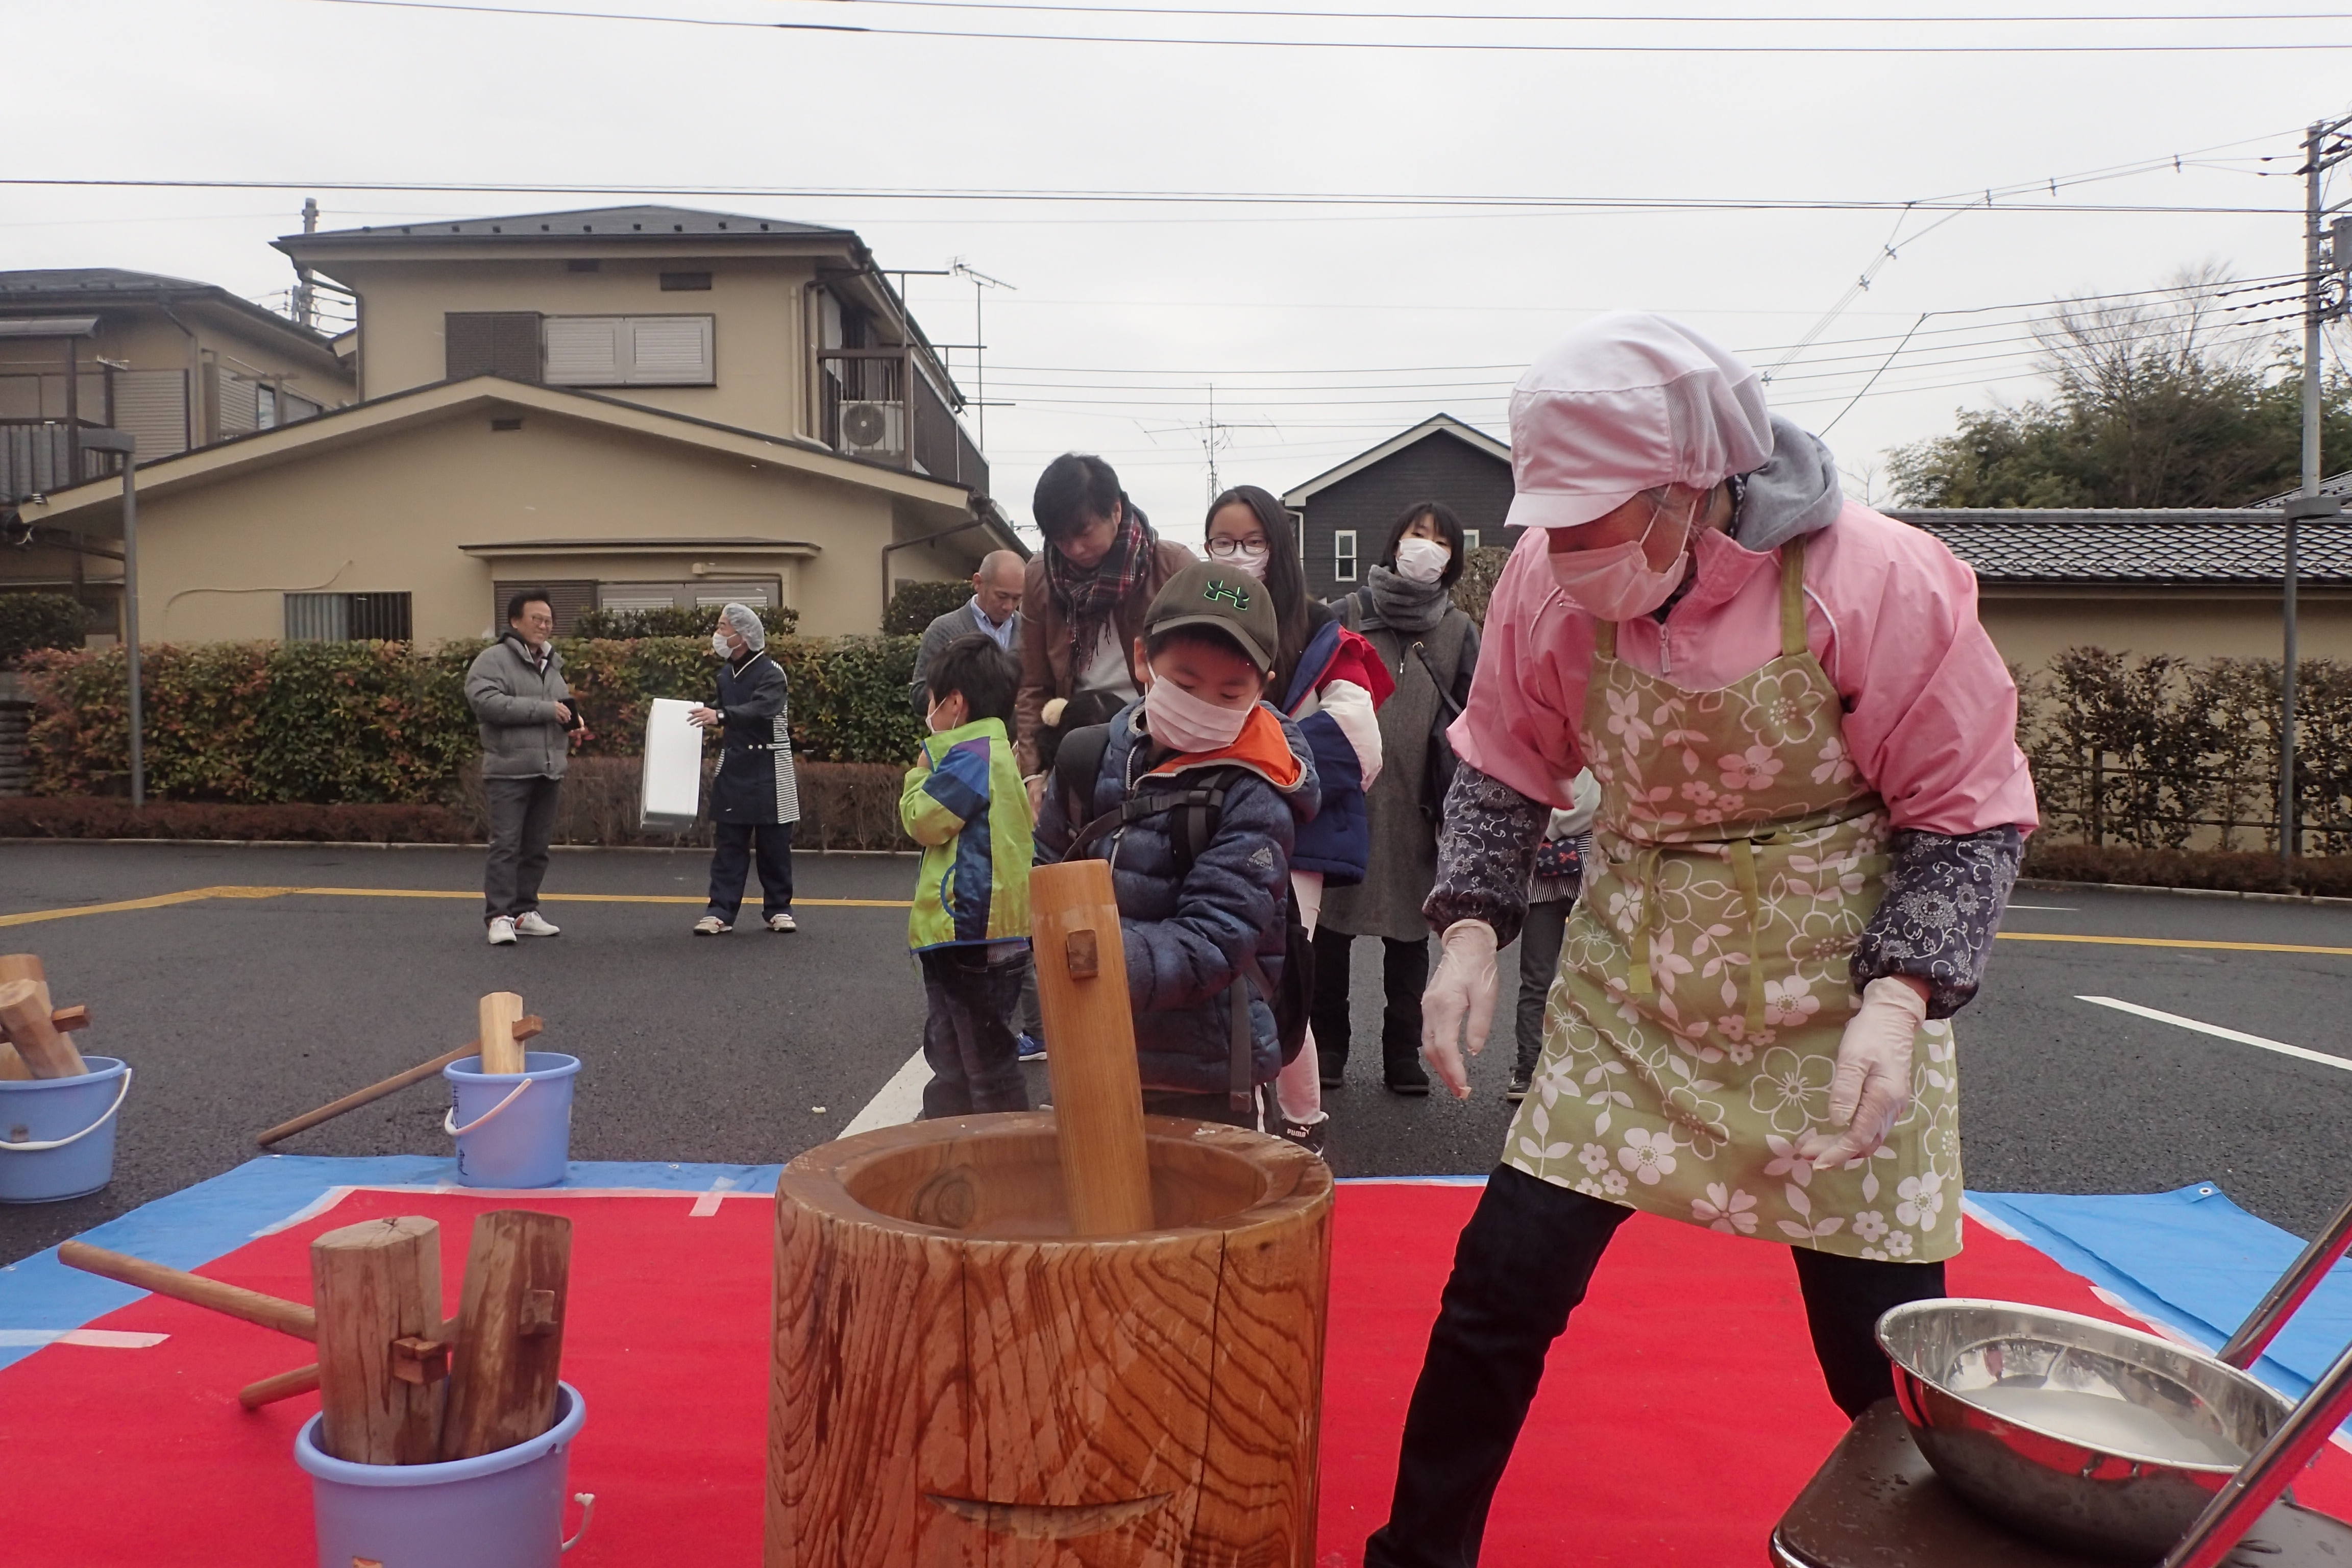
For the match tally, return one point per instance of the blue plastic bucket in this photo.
(502, 1510)
(513, 1130)
(57, 1134)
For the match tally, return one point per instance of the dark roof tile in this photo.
(596, 223)
(2122, 548)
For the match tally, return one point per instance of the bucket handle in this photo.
(449, 1121)
(61, 1142)
(587, 1502)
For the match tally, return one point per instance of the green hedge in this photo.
(915, 606)
(30, 621)
(669, 621)
(266, 723)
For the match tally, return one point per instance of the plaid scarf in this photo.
(1088, 598)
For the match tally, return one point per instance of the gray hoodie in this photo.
(514, 700)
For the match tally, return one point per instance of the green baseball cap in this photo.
(1207, 594)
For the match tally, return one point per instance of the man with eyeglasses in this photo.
(528, 725)
(995, 608)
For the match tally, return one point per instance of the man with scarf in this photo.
(1085, 592)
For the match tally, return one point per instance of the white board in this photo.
(672, 793)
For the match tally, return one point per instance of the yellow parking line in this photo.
(194, 895)
(2174, 942)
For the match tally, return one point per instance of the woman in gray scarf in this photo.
(1406, 610)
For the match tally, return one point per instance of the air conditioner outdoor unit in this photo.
(873, 429)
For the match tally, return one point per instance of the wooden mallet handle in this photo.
(285, 1385)
(235, 1301)
(1097, 1085)
(525, 1028)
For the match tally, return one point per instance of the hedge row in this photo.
(2222, 870)
(376, 722)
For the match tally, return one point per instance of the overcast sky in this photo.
(1323, 328)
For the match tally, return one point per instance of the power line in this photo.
(1608, 17)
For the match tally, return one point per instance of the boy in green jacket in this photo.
(965, 804)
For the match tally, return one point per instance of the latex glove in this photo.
(1460, 1000)
(1873, 1086)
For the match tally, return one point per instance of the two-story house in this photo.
(1345, 513)
(628, 406)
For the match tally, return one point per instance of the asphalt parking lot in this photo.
(307, 972)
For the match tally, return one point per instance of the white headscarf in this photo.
(746, 621)
(1623, 404)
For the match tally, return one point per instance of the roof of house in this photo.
(1436, 424)
(43, 288)
(2089, 547)
(361, 422)
(2336, 485)
(599, 223)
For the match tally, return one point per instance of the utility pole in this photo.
(305, 300)
(2325, 147)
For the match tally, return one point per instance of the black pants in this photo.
(1257, 1117)
(522, 821)
(1404, 973)
(731, 859)
(1521, 1266)
(968, 1039)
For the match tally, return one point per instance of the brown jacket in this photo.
(1048, 654)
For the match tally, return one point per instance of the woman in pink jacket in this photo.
(1813, 806)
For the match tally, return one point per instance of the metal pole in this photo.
(130, 619)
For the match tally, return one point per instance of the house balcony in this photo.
(39, 456)
(882, 405)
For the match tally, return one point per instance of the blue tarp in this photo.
(192, 1227)
(2190, 1259)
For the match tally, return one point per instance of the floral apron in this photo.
(1692, 1031)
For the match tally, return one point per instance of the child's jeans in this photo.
(967, 1038)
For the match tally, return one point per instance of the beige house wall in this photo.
(145, 337)
(759, 330)
(2192, 624)
(395, 513)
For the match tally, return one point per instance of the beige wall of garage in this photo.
(395, 512)
(2031, 625)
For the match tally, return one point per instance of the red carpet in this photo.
(1681, 1414)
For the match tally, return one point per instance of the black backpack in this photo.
(1199, 807)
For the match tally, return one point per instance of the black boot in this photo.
(1404, 971)
(1329, 1010)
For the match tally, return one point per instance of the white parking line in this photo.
(897, 1102)
(2175, 1019)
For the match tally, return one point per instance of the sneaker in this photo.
(1033, 1050)
(1307, 1135)
(530, 923)
(711, 925)
(782, 923)
(1520, 1083)
(502, 931)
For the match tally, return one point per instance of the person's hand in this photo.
(703, 718)
(1460, 1000)
(563, 713)
(1035, 784)
(1873, 1086)
(582, 736)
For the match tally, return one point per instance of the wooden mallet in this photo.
(1098, 1083)
(527, 1027)
(31, 1027)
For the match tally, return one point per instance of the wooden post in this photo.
(1090, 1023)
(25, 1015)
(501, 1052)
(526, 1028)
(509, 1332)
(18, 967)
(235, 1301)
(377, 1282)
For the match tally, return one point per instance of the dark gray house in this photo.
(1345, 513)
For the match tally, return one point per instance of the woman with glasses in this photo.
(1328, 679)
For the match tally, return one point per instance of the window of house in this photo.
(1343, 555)
(491, 342)
(1469, 540)
(264, 407)
(348, 618)
(566, 597)
(629, 351)
(684, 282)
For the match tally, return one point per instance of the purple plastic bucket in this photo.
(502, 1510)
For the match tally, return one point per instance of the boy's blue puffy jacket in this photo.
(1184, 941)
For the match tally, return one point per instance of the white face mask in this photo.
(1421, 560)
(1248, 559)
(1184, 722)
(718, 643)
(931, 720)
(1615, 583)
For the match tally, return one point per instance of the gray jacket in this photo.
(514, 701)
(944, 629)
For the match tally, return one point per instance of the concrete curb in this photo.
(369, 844)
(2044, 885)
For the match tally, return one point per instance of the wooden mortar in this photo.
(966, 1374)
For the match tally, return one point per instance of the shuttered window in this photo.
(236, 403)
(348, 618)
(568, 600)
(153, 404)
(630, 351)
(491, 342)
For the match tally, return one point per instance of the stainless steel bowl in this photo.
(2087, 1436)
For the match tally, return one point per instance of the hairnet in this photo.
(746, 621)
(1623, 404)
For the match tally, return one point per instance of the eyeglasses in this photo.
(1228, 548)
